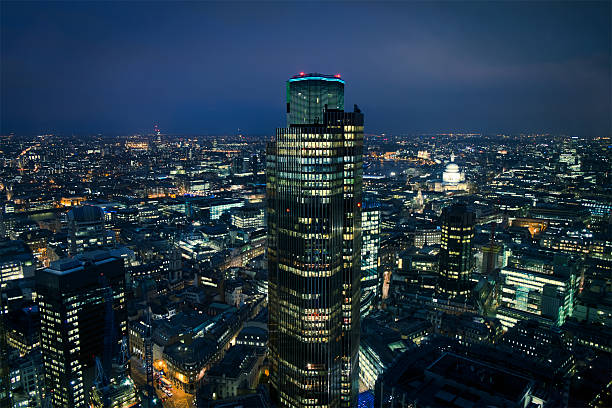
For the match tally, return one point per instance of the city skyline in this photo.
(440, 67)
(517, 285)
(367, 204)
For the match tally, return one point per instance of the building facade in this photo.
(308, 95)
(370, 235)
(75, 322)
(16, 261)
(87, 230)
(456, 251)
(547, 296)
(314, 184)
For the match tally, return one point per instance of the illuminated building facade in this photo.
(314, 184)
(308, 95)
(370, 235)
(86, 229)
(456, 251)
(245, 218)
(74, 321)
(16, 261)
(120, 393)
(453, 178)
(547, 296)
(187, 361)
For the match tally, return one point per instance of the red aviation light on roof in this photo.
(301, 74)
(337, 75)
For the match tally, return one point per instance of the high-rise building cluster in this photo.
(323, 266)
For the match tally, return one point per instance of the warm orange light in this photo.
(160, 365)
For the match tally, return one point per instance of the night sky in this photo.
(211, 68)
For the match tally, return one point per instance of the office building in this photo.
(314, 185)
(547, 296)
(237, 373)
(308, 95)
(16, 261)
(219, 207)
(417, 270)
(86, 229)
(120, 393)
(456, 251)
(245, 218)
(82, 316)
(453, 380)
(370, 235)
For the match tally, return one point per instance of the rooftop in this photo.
(480, 376)
(14, 250)
(315, 76)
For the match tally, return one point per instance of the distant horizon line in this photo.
(262, 135)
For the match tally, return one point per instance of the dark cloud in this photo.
(206, 67)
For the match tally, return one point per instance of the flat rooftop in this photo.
(480, 376)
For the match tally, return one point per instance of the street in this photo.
(179, 398)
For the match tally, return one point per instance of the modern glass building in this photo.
(456, 251)
(370, 233)
(75, 324)
(308, 95)
(548, 296)
(314, 184)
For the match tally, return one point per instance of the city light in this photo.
(188, 221)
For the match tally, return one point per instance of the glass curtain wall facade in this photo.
(456, 251)
(314, 188)
(309, 94)
(370, 231)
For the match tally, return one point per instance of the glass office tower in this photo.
(456, 251)
(309, 94)
(75, 323)
(370, 236)
(314, 184)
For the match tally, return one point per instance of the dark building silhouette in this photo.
(82, 316)
(456, 251)
(87, 230)
(314, 187)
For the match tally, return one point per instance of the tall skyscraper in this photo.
(314, 184)
(82, 315)
(456, 251)
(309, 95)
(370, 233)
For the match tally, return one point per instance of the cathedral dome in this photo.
(452, 168)
(452, 174)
